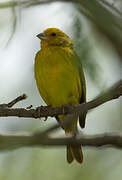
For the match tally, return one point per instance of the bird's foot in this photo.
(38, 111)
(64, 108)
(42, 110)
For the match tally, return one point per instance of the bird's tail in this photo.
(74, 152)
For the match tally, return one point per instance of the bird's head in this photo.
(54, 37)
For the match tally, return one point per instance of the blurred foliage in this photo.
(85, 49)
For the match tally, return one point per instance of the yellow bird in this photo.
(60, 80)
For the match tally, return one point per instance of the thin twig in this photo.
(19, 98)
(13, 102)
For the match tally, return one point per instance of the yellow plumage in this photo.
(60, 79)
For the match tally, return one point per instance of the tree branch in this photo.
(44, 111)
(15, 141)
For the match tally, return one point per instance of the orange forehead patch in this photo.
(53, 30)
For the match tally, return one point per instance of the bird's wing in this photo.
(82, 117)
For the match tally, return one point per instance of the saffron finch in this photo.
(60, 80)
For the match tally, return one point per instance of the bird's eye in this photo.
(53, 34)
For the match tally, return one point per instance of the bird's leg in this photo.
(47, 116)
(40, 109)
(64, 108)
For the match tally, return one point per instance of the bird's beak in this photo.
(42, 36)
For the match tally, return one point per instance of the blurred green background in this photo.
(103, 67)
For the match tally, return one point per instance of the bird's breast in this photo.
(56, 77)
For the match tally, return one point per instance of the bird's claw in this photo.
(38, 110)
(64, 107)
(45, 118)
(41, 109)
